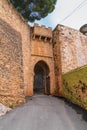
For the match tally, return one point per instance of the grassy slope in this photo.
(75, 86)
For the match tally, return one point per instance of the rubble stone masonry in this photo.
(22, 47)
(73, 47)
(14, 55)
(42, 50)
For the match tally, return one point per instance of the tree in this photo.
(33, 10)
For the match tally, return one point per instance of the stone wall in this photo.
(70, 52)
(73, 48)
(42, 31)
(22, 47)
(14, 54)
(41, 42)
(57, 63)
(11, 70)
(42, 50)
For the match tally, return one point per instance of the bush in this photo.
(11, 105)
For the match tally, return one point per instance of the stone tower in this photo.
(42, 61)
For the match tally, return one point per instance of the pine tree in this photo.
(33, 10)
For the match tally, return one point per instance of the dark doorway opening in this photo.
(41, 78)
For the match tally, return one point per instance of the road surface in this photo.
(43, 112)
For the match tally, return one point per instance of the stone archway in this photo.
(41, 78)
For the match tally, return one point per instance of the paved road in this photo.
(45, 113)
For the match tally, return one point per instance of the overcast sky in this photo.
(65, 8)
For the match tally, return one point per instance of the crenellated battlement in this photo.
(42, 32)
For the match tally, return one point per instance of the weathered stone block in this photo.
(42, 31)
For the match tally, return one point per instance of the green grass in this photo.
(74, 76)
(75, 86)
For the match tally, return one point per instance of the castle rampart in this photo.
(73, 47)
(27, 53)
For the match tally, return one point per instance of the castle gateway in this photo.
(42, 62)
(26, 58)
(33, 59)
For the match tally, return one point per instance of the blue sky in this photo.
(64, 8)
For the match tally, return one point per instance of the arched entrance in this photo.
(41, 78)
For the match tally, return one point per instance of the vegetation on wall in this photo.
(75, 86)
(33, 10)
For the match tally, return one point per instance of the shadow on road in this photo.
(68, 104)
(76, 108)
